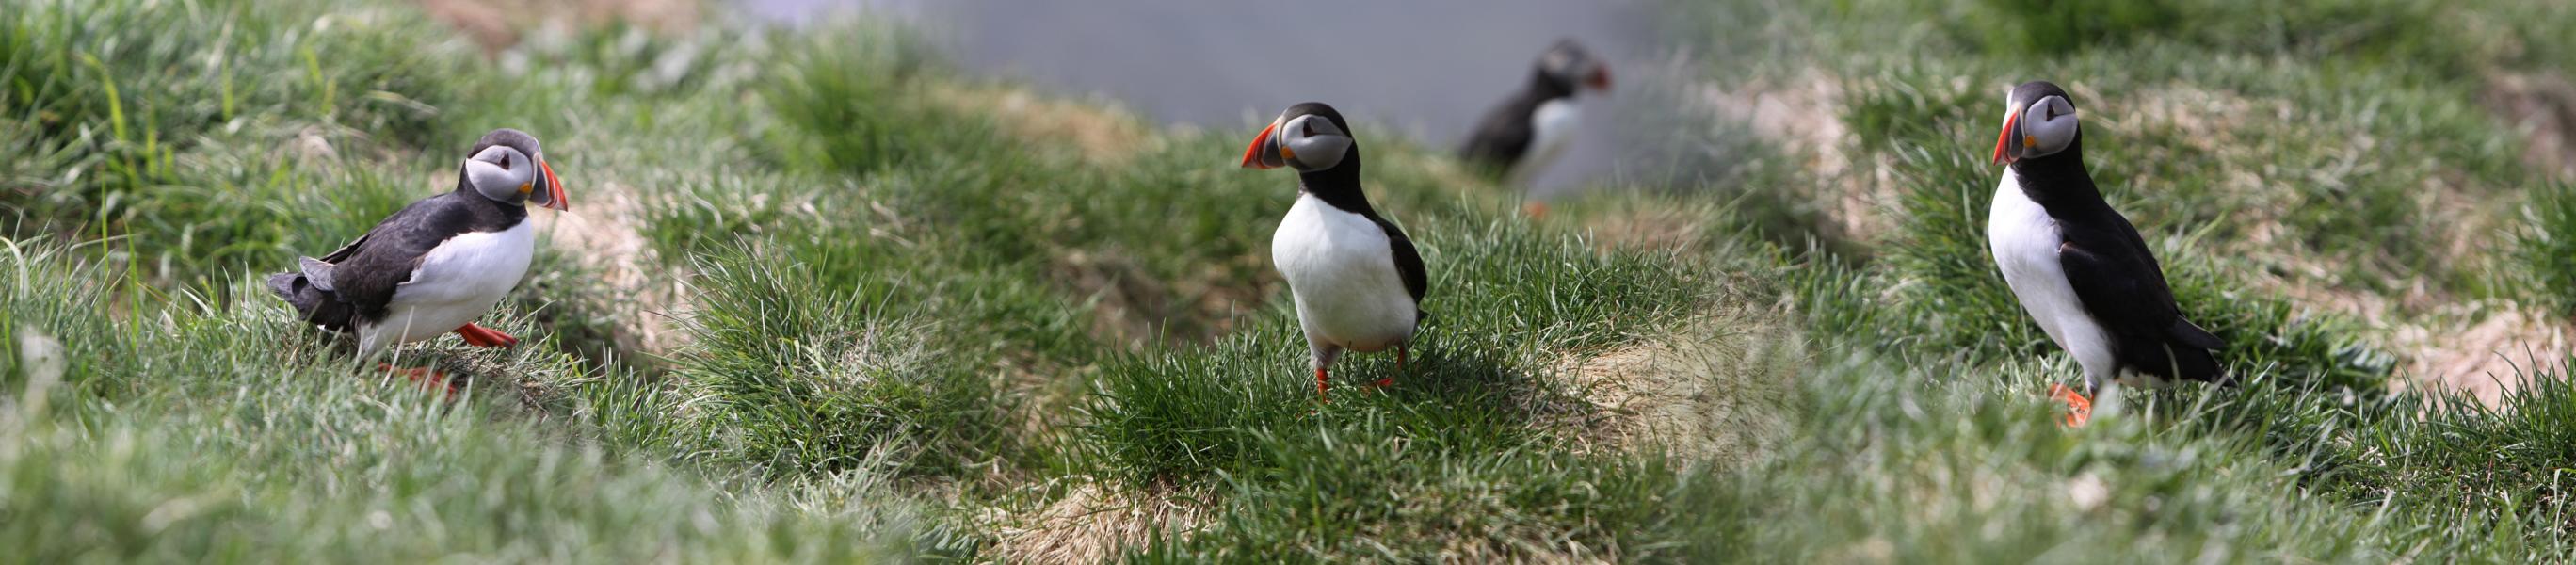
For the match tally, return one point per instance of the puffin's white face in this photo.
(1311, 143)
(1307, 142)
(2036, 128)
(501, 174)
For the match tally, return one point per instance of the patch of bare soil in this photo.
(499, 24)
(1090, 524)
(2488, 358)
(644, 296)
(1717, 392)
(2543, 107)
(1804, 112)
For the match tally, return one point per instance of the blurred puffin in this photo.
(2077, 265)
(1357, 280)
(439, 263)
(1532, 127)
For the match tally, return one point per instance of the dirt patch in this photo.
(2208, 119)
(1718, 392)
(644, 295)
(2488, 358)
(1805, 111)
(1091, 524)
(499, 24)
(2543, 107)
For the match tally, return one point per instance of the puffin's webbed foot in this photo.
(480, 336)
(2079, 409)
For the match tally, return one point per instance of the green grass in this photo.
(2262, 149)
(822, 300)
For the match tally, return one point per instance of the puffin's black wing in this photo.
(2122, 286)
(1503, 136)
(1408, 262)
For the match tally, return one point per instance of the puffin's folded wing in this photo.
(2126, 294)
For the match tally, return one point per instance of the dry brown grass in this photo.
(1649, 225)
(1090, 132)
(645, 294)
(2543, 107)
(1715, 392)
(1090, 524)
(2484, 356)
(1804, 112)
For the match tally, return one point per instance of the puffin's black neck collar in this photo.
(2059, 178)
(1338, 186)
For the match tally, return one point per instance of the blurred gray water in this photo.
(1429, 67)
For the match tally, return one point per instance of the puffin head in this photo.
(1567, 66)
(2039, 121)
(1310, 137)
(506, 166)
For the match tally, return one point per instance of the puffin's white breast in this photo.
(1341, 269)
(2024, 239)
(1552, 128)
(456, 282)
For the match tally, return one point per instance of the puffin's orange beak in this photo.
(1263, 154)
(554, 188)
(2003, 141)
(1600, 79)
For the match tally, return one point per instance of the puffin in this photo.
(440, 262)
(1533, 126)
(1356, 278)
(2077, 266)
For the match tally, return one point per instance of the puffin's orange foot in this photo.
(2079, 409)
(1535, 210)
(426, 378)
(1321, 381)
(480, 336)
(1382, 382)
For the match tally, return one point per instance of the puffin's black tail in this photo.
(2196, 364)
(2192, 357)
(313, 305)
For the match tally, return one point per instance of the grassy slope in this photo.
(924, 320)
(907, 316)
(2312, 152)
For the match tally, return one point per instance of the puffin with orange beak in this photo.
(1531, 128)
(439, 263)
(1356, 278)
(2078, 266)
